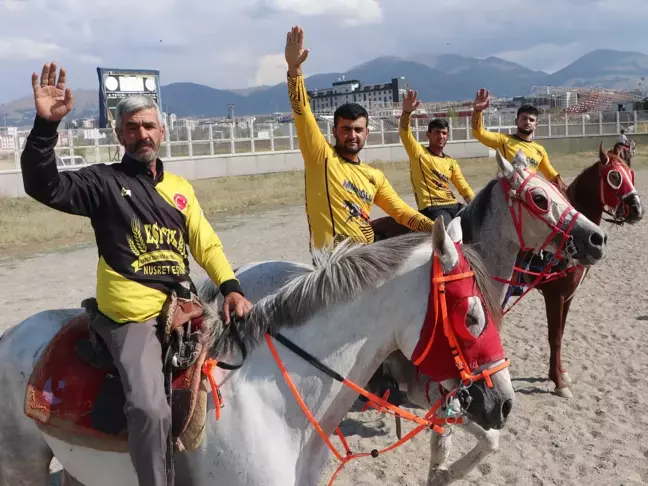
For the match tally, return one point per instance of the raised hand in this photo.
(295, 52)
(482, 100)
(410, 101)
(53, 100)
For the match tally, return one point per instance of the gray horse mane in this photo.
(339, 276)
(473, 215)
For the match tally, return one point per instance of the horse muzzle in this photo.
(485, 407)
(633, 208)
(589, 244)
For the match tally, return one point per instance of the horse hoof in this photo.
(439, 477)
(564, 392)
(566, 378)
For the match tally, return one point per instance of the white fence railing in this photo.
(87, 146)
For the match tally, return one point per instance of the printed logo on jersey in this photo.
(180, 201)
(155, 245)
(355, 211)
(361, 193)
(533, 162)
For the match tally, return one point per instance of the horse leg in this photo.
(487, 444)
(554, 303)
(440, 445)
(562, 369)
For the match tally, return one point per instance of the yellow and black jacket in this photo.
(431, 174)
(340, 192)
(508, 145)
(142, 225)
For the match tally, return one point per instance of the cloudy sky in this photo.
(239, 43)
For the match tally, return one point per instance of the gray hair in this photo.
(133, 104)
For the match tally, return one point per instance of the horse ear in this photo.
(506, 169)
(603, 157)
(454, 230)
(443, 246)
(520, 159)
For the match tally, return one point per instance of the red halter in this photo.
(460, 352)
(522, 198)
(616, 185)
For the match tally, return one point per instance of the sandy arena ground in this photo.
(596, 438)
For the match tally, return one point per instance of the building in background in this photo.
(326, 101)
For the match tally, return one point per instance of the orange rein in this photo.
(431, 419)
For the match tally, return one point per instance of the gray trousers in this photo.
(137, 353)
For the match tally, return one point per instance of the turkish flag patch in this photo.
(180, 201)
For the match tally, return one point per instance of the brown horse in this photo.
(605, 187)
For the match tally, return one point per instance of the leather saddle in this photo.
(75, 392)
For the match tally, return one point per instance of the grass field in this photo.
(28, 227)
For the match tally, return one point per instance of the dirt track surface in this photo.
(596, 438)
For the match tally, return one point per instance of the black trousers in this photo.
(447, 211)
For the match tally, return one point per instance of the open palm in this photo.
(411, 101)
(482, 100)
(295, 52)
(53, 100)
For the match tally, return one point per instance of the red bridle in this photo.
(522, 199)
(613, 195)
(461, 352)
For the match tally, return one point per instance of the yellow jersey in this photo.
(509, 145)
(341, 192)
(145, 226)
(431, 174)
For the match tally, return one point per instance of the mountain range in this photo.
(446, 77)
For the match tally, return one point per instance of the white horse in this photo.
(488, 224)
(357, 306)
(486, 220)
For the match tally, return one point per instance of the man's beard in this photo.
(524, 131)
(145, 158)
(342, 148)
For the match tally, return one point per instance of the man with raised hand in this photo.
(431, 169)
(340, 189)
(526, 122)
(146, 220)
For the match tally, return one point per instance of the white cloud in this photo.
(21, 48)
(351, 12)
(234, 43)
(13, 48)
(546, 57)
(271, 70)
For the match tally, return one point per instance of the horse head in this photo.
(541, 213)
(459, 344)
(617, 192)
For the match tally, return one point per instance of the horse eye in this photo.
(614, 178)
(540, 201)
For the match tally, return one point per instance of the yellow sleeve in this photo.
(387, 200)
(312, 142)
(460, 182)
(207, 249)
(412, 147)
(490, 139)
(546, 168)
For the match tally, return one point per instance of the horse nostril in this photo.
(597, 239)
(507, 406)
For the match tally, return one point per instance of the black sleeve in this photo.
(75, 192)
